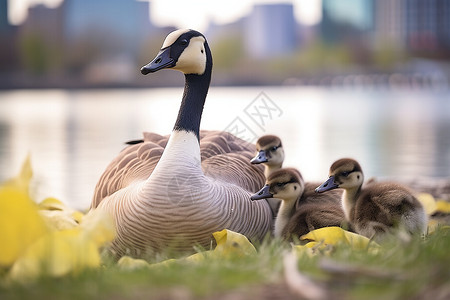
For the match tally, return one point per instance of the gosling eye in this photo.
(274, 148)
(184, 42)
(345, 174)
(280, 184)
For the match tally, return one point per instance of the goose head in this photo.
(269, 151)
(344, 173)
(185, 50)
(286, 184)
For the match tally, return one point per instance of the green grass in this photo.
(419, 269)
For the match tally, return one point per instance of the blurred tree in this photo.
(35, 54)
(317, 57)
(228, 52)
(386, 56)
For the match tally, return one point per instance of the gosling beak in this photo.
(262, 194)
(161, 61)
(261, 157)
(327, 185)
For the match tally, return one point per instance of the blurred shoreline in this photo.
(413, 76)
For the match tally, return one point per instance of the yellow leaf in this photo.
(428, 202)
(58, 219)
(22, 181)
(20, 223)
(230, 242)
(128, 263)
(77, 216)
(443, 206)
(201, 256)
(56, 254)
(67, 251)
(57, 215)
(99, 227)
(336, 235)
(51, 203)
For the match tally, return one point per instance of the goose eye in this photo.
(184, 42)
(280, 184)
(345, 174)
(274, 148)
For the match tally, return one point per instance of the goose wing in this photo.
(315, 211)
(227, 157)
(390, 201)
(312, 216)
(223, 156)
(136, 162)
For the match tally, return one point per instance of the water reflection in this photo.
(73, 135)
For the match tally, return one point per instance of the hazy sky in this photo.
(193, 13)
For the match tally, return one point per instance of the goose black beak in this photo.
(261, 157)
(327, 185)
(262, 194)
(161, 61)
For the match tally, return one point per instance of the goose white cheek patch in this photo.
(193, 58)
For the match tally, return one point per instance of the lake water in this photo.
(73, 135)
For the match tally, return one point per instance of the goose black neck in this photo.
(194, 96)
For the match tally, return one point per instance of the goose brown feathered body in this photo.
(301, 210)
(377, 208)
(175, 191)
(315, 211)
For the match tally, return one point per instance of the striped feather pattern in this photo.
(183, 202)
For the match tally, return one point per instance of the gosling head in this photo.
(286, 184)
(344, 173)
(269, 151)
(184, 50)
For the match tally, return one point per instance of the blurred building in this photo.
(118, 23)
(390, 23)
(270, 30)
(427, 24)
(110, 34)
(416, 25)
(100, 42)
(346, 20)
(8, 49)
(4, 25)
(47, 23)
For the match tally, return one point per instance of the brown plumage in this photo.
(301, 209)
(222, 155)
(175, 191)
(377, 208)
(314, 211)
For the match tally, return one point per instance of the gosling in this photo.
(270, 153)
(301, 209)
(378, 208)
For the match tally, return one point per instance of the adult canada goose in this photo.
(376, 208)
(270, 153)
(177, 191)
(301, 209)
